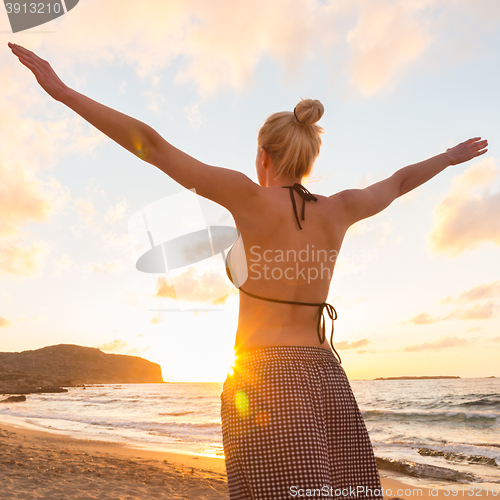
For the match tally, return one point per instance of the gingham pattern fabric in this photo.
(290, 423)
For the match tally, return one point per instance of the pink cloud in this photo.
(388, 36)
(5, 322)
(479, 292)
(442, 343)
(468, 215)
(422, 319)
(196, 287)
(121, 347)
(22, 260)
(351, 345)
(477, 311)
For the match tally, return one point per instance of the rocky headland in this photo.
(66, 365)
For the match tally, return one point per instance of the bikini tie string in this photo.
(305, 195)
(322, 324)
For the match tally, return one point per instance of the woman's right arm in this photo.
(362, 203)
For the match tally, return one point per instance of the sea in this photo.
(439, 429)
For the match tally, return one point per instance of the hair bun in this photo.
(308, 111)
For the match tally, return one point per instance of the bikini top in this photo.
(332, 313)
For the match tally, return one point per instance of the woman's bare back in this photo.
(287, 263)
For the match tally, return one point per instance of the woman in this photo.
(291, 425)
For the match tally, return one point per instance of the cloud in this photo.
(131, 298)
(154, 101)
(195, 287)
(442, 343)
(111, 228)
(220, 44)
(157, 318)
(22, 199)
(193, 116)
(466, 218)
(63, 264)
(477, 311)
(483, 310)
(116, 345)
(120, 346)
(215, 44)
(85, 210)
(479, 292)
(422, 319)
(388, 36)
(116, 213)
(351, 345)
(5, 322)
(29, 147)
(102, 267)
(165, 288)
(19, 260)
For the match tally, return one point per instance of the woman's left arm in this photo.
(229, 188)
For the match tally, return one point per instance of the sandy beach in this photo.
(38, 464)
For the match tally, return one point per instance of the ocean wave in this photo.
(486, 401)
(432, 414)
(129, 424)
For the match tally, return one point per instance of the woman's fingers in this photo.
(481, 149)
(41, 69)
(21, 54)
(25, 54)
(22, 50)
(476, 145)
(28, 64)
(467, 150)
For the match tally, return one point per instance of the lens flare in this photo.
(140, 149)
(242, 403)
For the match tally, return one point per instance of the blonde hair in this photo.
(292, 139)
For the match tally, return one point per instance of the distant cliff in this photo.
(69, 365)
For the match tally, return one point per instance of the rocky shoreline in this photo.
(20, 395)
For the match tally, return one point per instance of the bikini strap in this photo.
(305, 195)
(321, 326)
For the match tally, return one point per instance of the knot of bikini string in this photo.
(304, 193)
(322, 324)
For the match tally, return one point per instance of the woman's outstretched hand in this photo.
(467, 150)
(42, 70)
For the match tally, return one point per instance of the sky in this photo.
(416, 288)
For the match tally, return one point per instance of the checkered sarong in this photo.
(290, 423)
